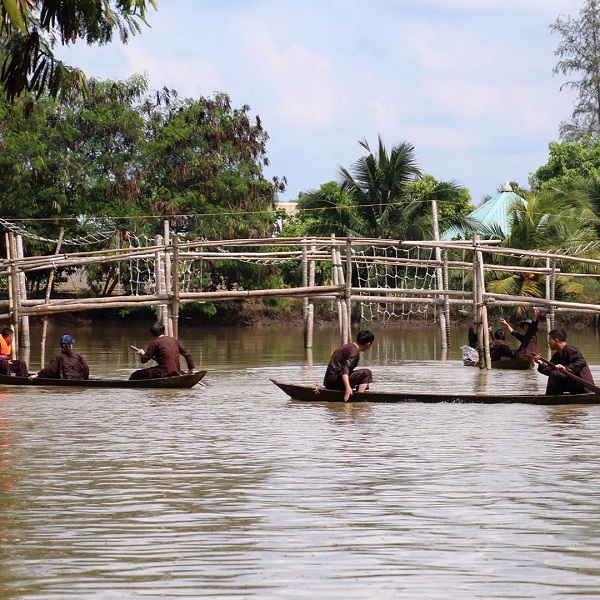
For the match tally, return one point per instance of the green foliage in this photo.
(545, 223)
(122, 161)
(383, 195)
(579, 54)
(30, 30)
(568, 164)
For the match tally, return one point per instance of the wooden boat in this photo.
(312, 393)
(181, 382)
(519, 363)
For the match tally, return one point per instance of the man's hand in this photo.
(347, 394)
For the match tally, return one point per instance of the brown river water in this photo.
(234, 491)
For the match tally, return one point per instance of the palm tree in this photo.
(545, 223)
(329, 210)
(377, 186)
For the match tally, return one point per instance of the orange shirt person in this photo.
(8, 366)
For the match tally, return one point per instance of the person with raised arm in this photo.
(528, 338)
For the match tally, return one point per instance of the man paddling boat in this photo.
(567, 359)
(165, 351)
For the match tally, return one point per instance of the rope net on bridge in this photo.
(394, 268)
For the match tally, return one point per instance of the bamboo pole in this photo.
(439, 276)
(24, 337)
(336, 274)
(552, 291)
(487, 362)
(348, 290)
(344, 332)
(168, 288)
(305, 284)
(51, 276)
(175, 302)
(310, 314)
(14, 285)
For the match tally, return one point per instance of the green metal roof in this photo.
(492, 212)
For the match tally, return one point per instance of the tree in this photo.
(32, 28)
(382, 195)
(568, 163)
(328, 211)
(118, 160)
(202, 167)
(377, 185)
(545, 222)
(579, 53)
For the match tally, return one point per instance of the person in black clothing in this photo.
(165, 350)
(527, 339)
(65, 364)
(499, 349)
(566, 358)
(341, 373)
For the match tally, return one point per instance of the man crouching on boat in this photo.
(340, 373)
(65, 364)
(165, 351)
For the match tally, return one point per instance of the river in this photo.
(235, 491)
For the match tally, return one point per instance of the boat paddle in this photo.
(587, 384)
(134, 348)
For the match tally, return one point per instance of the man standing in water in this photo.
(340, 373)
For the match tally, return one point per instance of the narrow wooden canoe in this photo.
(312, 393)
(181, 382)
(519, 363)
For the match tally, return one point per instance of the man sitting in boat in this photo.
(165, 351)
(528, 338)
(341, 373)
(65, 364)
(499, 349)
(567, 359)
(8, 366)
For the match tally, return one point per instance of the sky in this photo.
(468, 83)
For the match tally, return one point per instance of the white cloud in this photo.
(468, 82)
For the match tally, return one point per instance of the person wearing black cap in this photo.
(528, 338)
(65, 364)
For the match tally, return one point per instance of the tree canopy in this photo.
(31, 29)
(122, 157)
(579, 54)
(384, 195)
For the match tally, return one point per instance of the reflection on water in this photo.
(235, 491)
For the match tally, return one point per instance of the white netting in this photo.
(394, 268)
(98, 237)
